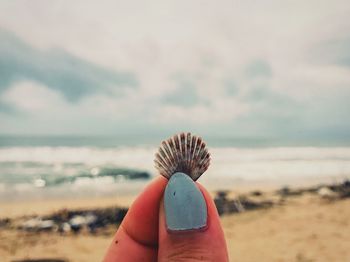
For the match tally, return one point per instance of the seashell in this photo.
(182, 153)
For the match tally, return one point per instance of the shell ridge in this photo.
(182, 152)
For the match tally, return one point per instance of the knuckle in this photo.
(188, 253)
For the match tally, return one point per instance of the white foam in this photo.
(275, 164)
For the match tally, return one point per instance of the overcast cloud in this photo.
(233, 68)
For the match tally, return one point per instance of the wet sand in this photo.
(304, 228)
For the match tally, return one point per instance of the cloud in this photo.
(258, 68)
(185, 95)
(42, 99)
(200, 116)
(57, 69)
(7, 108)
(334, 51)
(231, 68)
(230, 86)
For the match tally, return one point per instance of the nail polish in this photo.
(184, 203)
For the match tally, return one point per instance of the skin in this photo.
(143, 235)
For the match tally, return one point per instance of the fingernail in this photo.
(185, 207)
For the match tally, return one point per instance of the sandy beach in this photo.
(248, 98)
(304, 228)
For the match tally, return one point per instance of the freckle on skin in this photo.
(116, 241)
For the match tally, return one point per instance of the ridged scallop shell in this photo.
(182, 153)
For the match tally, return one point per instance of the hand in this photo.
(144, 234)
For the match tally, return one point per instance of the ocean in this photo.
(51, 167)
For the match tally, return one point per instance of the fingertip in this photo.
(207, 244)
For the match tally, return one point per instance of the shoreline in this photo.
(43, 205)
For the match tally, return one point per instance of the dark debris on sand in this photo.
(93, 220)
(242, 203)
(239, 204)
(4, 222)
(332, 191)
(65, 221)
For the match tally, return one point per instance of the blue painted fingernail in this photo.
(185, 207)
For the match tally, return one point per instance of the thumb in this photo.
(189, 225)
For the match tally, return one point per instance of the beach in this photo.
(250, 99)
(66, 202)
(304, 227)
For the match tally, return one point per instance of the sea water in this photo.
(27, 166)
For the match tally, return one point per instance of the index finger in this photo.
(137, 236)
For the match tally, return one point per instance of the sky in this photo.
(218, 68)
